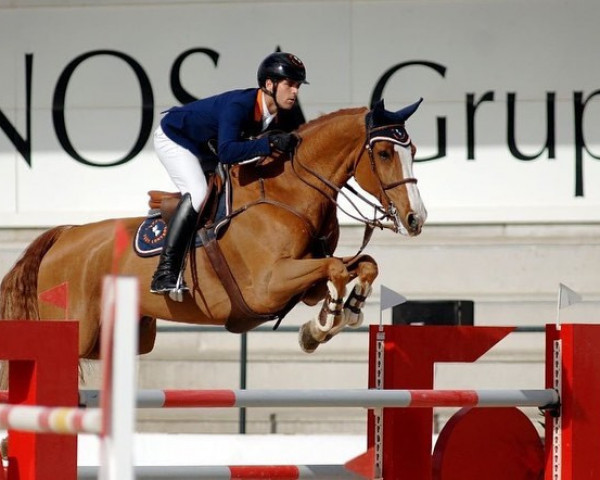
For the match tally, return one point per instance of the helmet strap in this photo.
(273, 94)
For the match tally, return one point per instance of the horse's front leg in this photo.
(366, 273)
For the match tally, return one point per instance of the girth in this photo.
(241, 318)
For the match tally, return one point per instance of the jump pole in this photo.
(334, 398)
(120, 317)
(238, 472)
(58, 420)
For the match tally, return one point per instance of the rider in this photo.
(186, 136)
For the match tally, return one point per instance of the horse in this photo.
(278, 244)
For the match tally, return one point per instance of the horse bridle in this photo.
(395, 133)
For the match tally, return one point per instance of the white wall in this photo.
(526, 48)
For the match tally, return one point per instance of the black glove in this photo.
(283, 142)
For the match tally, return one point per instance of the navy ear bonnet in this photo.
(379, 116)
(384, 125)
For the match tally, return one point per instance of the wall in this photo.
(507, 123)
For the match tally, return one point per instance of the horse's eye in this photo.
(385, 155)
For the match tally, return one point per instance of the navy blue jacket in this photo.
(228, 118)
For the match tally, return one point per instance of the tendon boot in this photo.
(182, 225)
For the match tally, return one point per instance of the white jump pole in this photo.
(120, 317)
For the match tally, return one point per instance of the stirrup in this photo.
(176, 294)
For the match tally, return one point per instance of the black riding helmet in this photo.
(279, 66)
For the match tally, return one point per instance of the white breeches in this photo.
(182, 166)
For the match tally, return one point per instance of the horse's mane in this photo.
(325, 118)
(317, 133)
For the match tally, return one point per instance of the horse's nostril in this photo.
(412, 220)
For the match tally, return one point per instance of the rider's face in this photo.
(287, 91)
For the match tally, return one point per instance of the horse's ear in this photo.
(404, 114)
(376, 116)
(378, 105)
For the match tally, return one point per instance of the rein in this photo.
(263, 200)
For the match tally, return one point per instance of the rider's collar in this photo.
(261, 112)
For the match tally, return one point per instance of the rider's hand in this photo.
(283, 142)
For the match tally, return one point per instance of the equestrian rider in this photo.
(182, 144)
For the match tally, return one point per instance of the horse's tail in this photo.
(18, 290)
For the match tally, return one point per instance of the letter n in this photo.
(23, 145)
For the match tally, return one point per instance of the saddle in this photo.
(213, 215)
(166, 202)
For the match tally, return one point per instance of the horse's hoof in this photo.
(352, 319)
(307, 342)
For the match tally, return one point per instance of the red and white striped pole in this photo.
(238, 472)
(364, 398)
(61, 420)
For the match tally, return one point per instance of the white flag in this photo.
(566, 296)
(389, 298)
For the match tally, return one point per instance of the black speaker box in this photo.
(433, 312)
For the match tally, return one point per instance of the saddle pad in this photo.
(151, 234)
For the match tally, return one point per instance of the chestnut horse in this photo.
(278, 245)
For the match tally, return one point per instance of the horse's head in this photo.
(385, 170)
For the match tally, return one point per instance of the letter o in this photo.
(58, 107)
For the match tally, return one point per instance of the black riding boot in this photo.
(179, 235)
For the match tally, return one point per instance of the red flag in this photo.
(122, 243)
(362, 465)
(56, 296)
